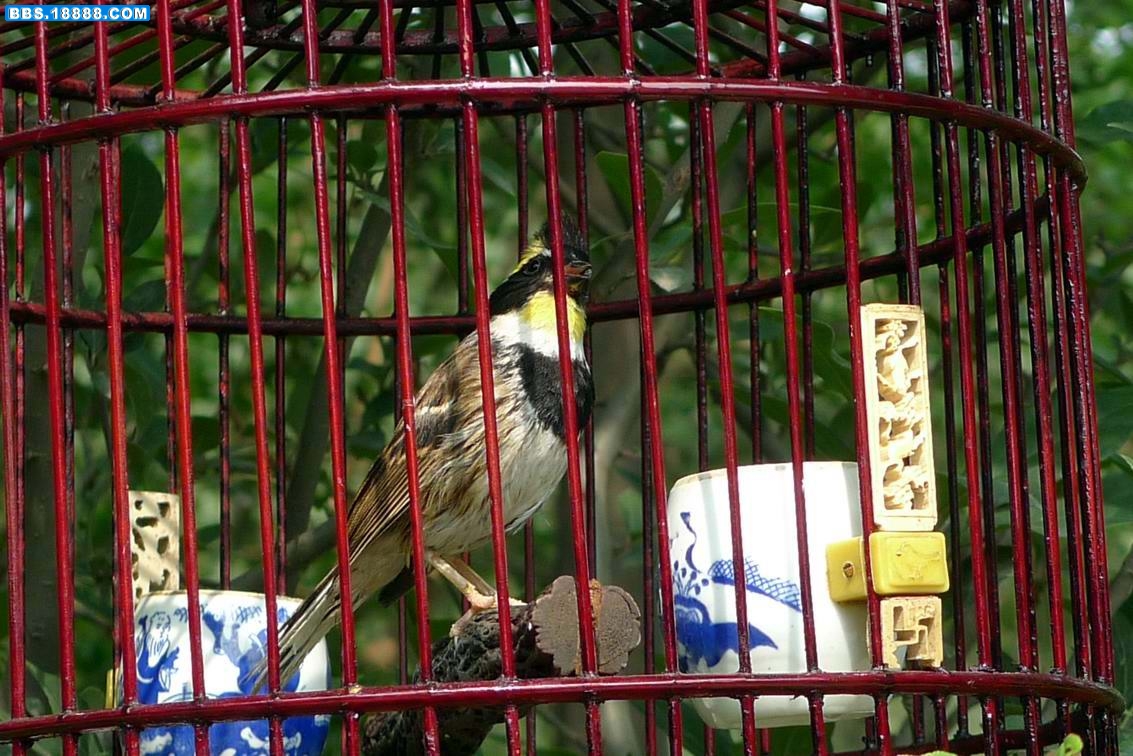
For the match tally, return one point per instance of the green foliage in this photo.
(615, 171)
(1102, 56)
(143, 196)
(1071, 746)
(1106, 123)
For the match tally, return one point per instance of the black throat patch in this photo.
(542, 382)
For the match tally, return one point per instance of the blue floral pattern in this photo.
(159, 662)
(701, 640)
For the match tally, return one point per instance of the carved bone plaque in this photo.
(155, 528)
(900, 429)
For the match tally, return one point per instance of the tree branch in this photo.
(314, 439)
(39, 508)
(545, 639)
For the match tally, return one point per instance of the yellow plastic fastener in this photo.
(903, 564)
(844, 572)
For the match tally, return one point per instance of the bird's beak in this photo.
(578, 275)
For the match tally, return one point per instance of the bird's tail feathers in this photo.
(311, 621)
(378, 565)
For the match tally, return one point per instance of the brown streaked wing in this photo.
(383, 500)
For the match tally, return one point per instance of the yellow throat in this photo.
(539, 313)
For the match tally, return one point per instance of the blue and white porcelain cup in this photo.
(700, 543)
(234, 640)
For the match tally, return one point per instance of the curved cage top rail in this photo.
(505, 44)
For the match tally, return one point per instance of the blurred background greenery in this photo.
(1101, 46)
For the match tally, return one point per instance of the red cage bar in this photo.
(650, 123)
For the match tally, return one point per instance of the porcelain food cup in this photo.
(704, 584)
(234, 640)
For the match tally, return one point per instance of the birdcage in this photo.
(211, 235)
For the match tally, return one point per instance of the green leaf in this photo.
(1123, 650)
(45, 691)
(1117, 483)
(147, 297)
(91, 697)
(96, 744)
(1106, 123)
(417, 233)
(208, 534)
(143, 195)
(671, 278)
(145, 388)
(378, 408)
(672, 246)
(615, 169)
(265, 140)
(830, 365)
(206, 433)
(264, 133)
(1125, 737)
(94, 342)
(1072, 746)
(367, 443)
(432, 345)
(362, 156)
(1115, 417)
(375, 371)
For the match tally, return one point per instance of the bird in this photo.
(452, 459)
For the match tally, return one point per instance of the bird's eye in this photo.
(534, 265)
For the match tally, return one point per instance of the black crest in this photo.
(520, 285)
(574, 245)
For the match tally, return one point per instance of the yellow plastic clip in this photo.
(903, 563)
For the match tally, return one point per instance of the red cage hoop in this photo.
(1004, 184)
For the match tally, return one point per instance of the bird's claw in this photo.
(480, 603)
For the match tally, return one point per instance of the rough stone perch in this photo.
(546, 642)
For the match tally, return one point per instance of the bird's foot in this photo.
(487, 602)
(479, 603)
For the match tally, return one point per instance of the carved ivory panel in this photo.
(915, 624)
(155, 529)
(900, 431)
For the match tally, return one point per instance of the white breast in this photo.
(532, 458)
(532, 462)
